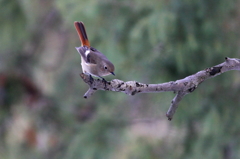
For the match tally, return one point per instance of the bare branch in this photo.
(174, 104)
(182, 86)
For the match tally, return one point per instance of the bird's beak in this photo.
(112, 73)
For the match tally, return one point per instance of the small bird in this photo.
(93, 61)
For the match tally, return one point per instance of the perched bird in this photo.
(93, 61)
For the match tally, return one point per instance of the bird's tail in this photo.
(82, 33)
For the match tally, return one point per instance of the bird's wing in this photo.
(88, 55)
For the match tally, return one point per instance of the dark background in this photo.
(43, 113)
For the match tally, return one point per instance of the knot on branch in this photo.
(215, 70)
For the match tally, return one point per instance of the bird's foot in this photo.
(91, 79)
(104, 81)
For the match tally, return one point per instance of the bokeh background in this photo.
(42, 110)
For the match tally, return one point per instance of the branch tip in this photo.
(169, 118)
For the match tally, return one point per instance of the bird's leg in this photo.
(104, 81)
(91, 78)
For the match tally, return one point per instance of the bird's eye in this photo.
(105, 67)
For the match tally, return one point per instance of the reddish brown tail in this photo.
(82, 33)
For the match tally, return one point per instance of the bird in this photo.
(94, 63)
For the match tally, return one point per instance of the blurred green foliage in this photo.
(43, 113)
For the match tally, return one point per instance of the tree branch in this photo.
(182, 87)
